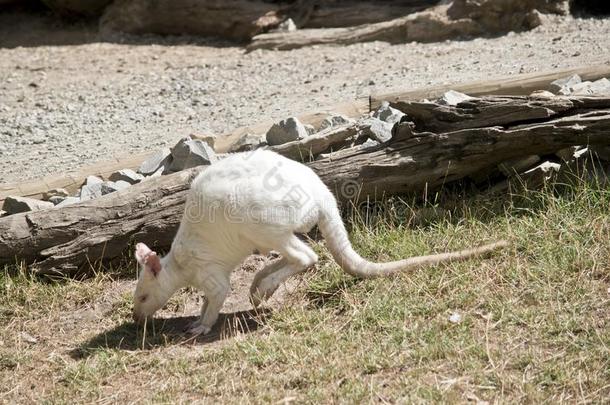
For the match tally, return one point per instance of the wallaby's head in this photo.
(150, 294)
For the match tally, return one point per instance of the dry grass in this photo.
(535, 322)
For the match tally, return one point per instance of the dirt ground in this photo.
(68, 99)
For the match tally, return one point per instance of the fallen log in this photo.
(242, 19)
(67, 240)
(458, 19)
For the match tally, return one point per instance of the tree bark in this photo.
(71, 239)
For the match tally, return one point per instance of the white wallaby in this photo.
(255, 201)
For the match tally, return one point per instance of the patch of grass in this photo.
(534, 320)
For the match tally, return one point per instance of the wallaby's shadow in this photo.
(168, 331)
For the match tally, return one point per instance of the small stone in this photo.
(514, 166)
(581, 152)
(56, 199)
(379, 131)
(287, 25)
(121, 184)
(15, 204)
(288, 130)
(93, 180)
(247, 142)
(455, 318)
(600, 87)
(160, 160)
(68, 201)
(542, 94)
(453, 98)
(334, 121)
(191, 153)
(369, 143)
(3, 213)
(127, 175)
(56, 192)
(566, 82)
(90, 191)
(108, 187)
(388, 114)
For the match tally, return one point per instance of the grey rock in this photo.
(127, 175)
(378, 130)
(600, 87)
(583, 152)
(93, 180)
(565, 83)
(121, 184)
(287, 25)
(56, 192)
(334, 121)
(542, 94)
(91, 191)
(68, 201)
(247, 142)
(56, 199)
(288, 130)
(453, 97)
(16, 204)
(162, 159)
(108, 187)
(512, 167)
(388, 114)
(369, 143)
(3, 213)
(191, 153)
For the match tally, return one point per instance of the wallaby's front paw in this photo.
(197, 329)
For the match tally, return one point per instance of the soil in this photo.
(68, 99)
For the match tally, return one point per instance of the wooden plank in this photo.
(522, 84)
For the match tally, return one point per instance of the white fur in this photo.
(256, 201)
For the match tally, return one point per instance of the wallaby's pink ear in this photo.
(153, 263)
(141, 252)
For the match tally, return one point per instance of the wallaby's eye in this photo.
(143, 298)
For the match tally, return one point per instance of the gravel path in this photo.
(63, 106)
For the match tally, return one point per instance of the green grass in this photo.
(535, 321)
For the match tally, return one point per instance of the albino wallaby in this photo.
(255, 201)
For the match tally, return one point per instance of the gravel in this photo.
(67, 105)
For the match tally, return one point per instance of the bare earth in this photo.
(67, 100)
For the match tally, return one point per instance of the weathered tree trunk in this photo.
(64, 241)
(242, 19)
(459, 18)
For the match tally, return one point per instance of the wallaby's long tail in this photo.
(337, 241)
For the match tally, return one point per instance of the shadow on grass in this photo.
(171, 331)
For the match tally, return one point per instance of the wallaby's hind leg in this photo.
(297, 256)
(216, 288)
